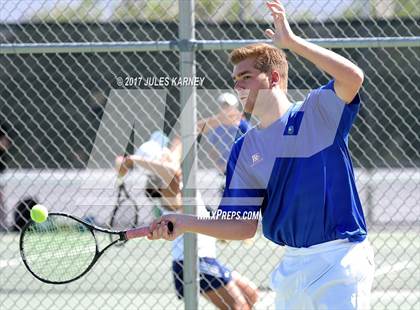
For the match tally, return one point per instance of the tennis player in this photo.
(225, 288)
(295, 167)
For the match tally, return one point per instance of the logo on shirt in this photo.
(256, 158)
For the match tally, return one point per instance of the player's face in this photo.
(248, 83)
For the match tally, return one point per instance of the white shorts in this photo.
(332, 275)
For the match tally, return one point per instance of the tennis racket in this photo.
(125, 213)
(64, 248)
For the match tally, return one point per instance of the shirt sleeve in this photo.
(240, 193)
(330, 107)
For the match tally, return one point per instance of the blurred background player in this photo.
(226, 289)
(222, 129)
(230, 125)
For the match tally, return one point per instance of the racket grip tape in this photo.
(136, 233)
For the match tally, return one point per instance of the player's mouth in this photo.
(243, 96)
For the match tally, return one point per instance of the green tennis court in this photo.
(137, 275)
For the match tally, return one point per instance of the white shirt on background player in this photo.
(206, 245)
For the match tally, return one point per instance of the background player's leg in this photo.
(248, 288)
(228, 297)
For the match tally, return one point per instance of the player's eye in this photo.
(241, 78)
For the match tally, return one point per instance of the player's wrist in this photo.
(291, 42)
(185, 223)
(193, 224)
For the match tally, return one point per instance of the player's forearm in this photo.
(122, 165)
(340, 68)
(221, 229)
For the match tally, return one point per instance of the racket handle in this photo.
(137, 233)
(142, 232)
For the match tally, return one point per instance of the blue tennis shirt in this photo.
(298, 172)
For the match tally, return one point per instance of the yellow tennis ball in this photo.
(39, 213)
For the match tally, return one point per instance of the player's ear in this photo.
(275, 78)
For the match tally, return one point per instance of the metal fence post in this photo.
(189, 164)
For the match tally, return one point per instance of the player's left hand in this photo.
(283, 36)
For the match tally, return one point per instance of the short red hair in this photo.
(267, 58)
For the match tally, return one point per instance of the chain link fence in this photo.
(67, 112)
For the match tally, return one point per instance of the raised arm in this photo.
(348, 76)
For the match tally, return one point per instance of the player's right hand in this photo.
(159, 227)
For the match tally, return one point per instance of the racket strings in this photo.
(59, 249)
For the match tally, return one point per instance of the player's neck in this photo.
(274, 109)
